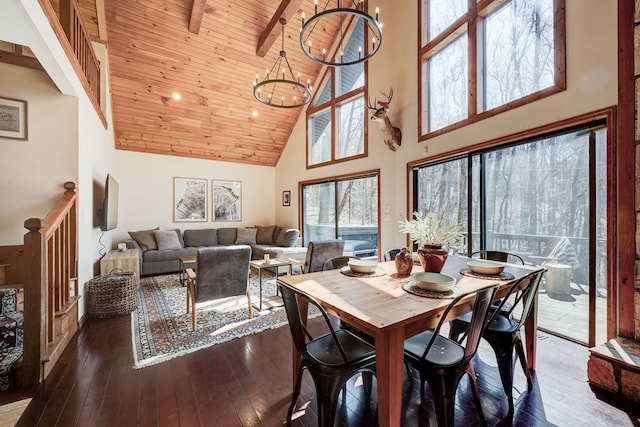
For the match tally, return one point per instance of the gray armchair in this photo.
(222, 272)
(319, 252)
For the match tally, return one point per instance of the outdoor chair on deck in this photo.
(503, 331)
(390, 255)
(331, 359)
(222, 272)
(442, 361)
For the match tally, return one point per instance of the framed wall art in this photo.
(227, 200)
(286, 198)
(13, 118)
(190, 202)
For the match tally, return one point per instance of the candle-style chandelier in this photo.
(285, 92)
(345, 15)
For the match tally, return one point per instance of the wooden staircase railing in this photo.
(80, 42)
(50, 286)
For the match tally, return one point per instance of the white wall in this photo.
(591, 85)
(51, 150)
(146, 191)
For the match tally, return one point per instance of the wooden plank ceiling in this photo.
(152, 55)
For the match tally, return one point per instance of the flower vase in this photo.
(432, 257)
(404, 262)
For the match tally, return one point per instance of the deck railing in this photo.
(50, 286)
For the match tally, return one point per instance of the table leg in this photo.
(531, 334)
(389, 368)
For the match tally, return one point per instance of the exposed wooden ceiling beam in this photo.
(102, 20)
(196, 16)
(270, 34)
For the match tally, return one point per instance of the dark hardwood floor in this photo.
(247, 382)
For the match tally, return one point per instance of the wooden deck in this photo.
(247, 382)
(568, 315)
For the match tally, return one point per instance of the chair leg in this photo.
(443, 387)
(367, 384)
(249, 302)
(327, 391)
(523, 362)
(503, 349)
(296, 393)
(476, 394)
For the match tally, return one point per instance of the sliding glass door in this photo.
(345, 209)
(545, 200)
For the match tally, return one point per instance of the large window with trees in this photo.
(345, 208)
(544, 199)
(480, 58)
(336, 122)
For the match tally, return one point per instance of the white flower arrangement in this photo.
(429, 229)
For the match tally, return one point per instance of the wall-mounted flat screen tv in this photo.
(109, 212)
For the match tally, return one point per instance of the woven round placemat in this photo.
(411, 287)
(379, 271)
(502, 276)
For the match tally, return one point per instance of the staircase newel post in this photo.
(35, 297)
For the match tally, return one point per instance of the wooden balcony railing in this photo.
(80, 41)
(50, 286)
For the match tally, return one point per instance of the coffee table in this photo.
(259, 264)
(185, 261)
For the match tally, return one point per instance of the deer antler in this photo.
(389, 96)
(372, 107)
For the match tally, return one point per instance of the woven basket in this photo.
(113, 295)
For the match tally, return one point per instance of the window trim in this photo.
(471, 22)
(333, 104)
(335, 178)
(614, 217)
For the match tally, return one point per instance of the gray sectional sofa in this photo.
(160, 250)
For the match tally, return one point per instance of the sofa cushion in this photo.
(264, 235)
(246, 236)
(168, 255)
(167, 239)
(205, 237)
(226, 236)
(145, 239)
(287, 237)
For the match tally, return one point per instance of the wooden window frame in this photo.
(471, 23)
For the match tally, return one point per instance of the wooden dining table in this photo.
(381, 307)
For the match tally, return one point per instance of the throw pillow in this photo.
(264, 235)
(288, 237)
(246, 236)
(167, 239)
(145, 239)
(205, 237)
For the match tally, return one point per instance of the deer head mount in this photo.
(392, 135)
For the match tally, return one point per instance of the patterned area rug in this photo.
(161, 328)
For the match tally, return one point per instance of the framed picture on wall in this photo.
(286, 198)
(13, 118)
(227, 200)
(190, 202)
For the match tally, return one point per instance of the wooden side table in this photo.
(128, 260)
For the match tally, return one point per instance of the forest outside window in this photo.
(480, 58)
(336, 121)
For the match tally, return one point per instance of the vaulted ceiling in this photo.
(153, 54)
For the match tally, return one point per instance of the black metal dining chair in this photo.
(337, 262)
(503, 331)
(331, 359)
(442, 362)
(498, 256)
